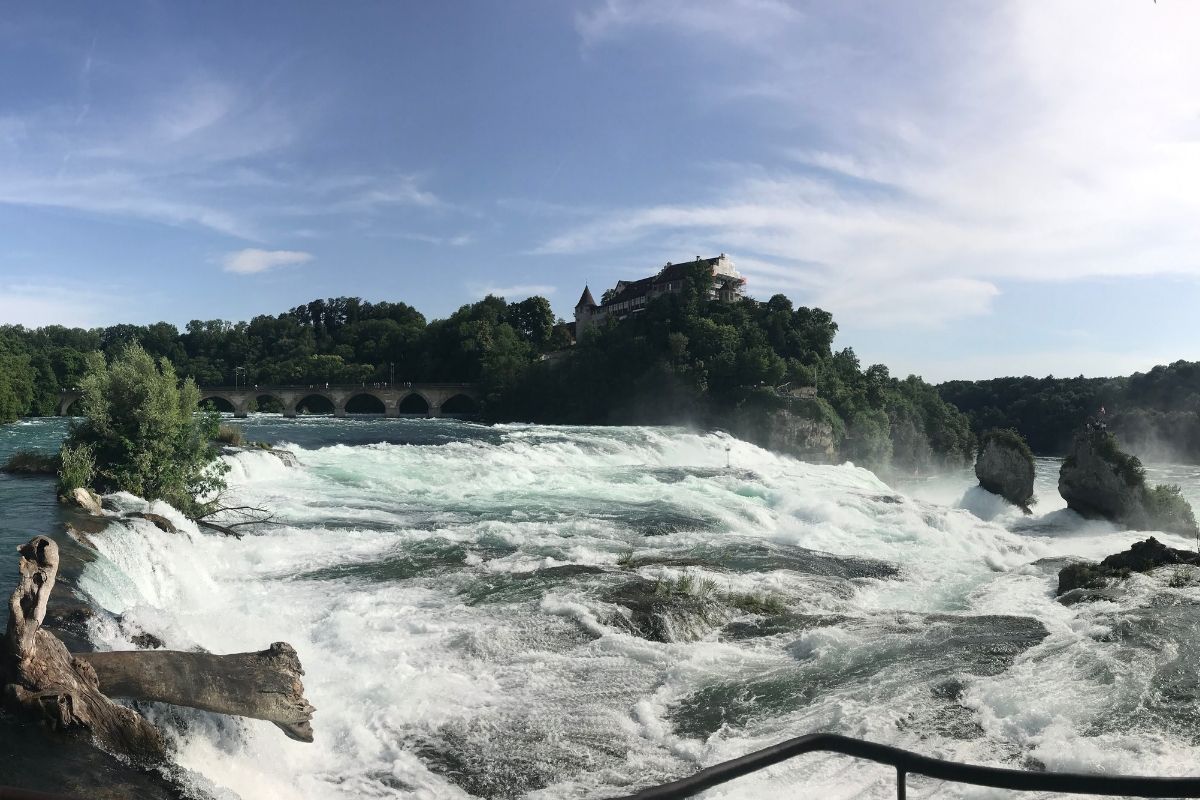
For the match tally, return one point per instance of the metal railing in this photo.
(906, 763)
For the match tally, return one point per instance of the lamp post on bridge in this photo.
(391, 373)
(236, 370)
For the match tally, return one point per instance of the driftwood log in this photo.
(263, 685)
(71, 691)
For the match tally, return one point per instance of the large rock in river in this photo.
(1098, 481)
(1142, 556)
(1004, 466)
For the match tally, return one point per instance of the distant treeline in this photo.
(686, 358)
(1155, 414)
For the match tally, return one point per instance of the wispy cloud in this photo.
(516, 292)
(747, 22)
(252, 260)
(990, 143)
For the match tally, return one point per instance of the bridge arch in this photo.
(268, 403)
(70, 407)
(414, 403)
(460, 404)
(315, 403)
(365, 403)
(218, 402)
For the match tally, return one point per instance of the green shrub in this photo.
(141, 426)
(77, 467)
(1009, 438)
(27, 462)
(1128, 467)
(1168, 508)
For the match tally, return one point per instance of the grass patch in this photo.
(687, 584)
(1182, 577)
(231, 435)
(27, 462)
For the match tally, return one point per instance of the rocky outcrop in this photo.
(1143, 556)
(1004, 466)
(157, 520)
(84, 499)
(286, 456)
(1098, 481)
(797, 427)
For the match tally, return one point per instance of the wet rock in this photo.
(1142, 556)
(1099, 481)
(665, 611)
(147, 641)
(1004, 466)
(286, 456)
(1076, 596)
(158, 520)
(800, 427)
(776, 624)
(85, 500)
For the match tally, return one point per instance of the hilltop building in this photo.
(630, 297)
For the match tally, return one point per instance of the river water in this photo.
(545, 612)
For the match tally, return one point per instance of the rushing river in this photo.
(546, 612)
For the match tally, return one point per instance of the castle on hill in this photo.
(630, 297)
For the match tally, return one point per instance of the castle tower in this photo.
(584, 311)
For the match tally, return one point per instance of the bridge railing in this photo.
(906, 762)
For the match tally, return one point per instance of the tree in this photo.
(144, 433)
(16, 383)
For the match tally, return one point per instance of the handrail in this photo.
(907, 762)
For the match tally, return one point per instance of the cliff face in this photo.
(785, 431)
(1099, 481)
(1005, 468)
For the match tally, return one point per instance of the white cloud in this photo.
(517, 292)
(986, 143)
(253, 260)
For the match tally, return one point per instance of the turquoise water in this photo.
(543, 612)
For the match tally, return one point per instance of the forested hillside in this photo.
(1155, 414)
(685, 359)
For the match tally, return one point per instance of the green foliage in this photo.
(1127, 466)
(685, 358)
(16, 380)
(143, 431)
(27, 462)
(1008, 438)
(1167, 506)
(77, 468)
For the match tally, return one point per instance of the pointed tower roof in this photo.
(586, 299)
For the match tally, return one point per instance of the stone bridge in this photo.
(394, 400)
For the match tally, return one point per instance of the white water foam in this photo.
(418, 682)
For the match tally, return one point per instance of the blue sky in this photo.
(971, 188)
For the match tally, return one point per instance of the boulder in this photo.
(86, 500)
(1077, 580)
(1098, 481)
(158, 520)
(1004, 466)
